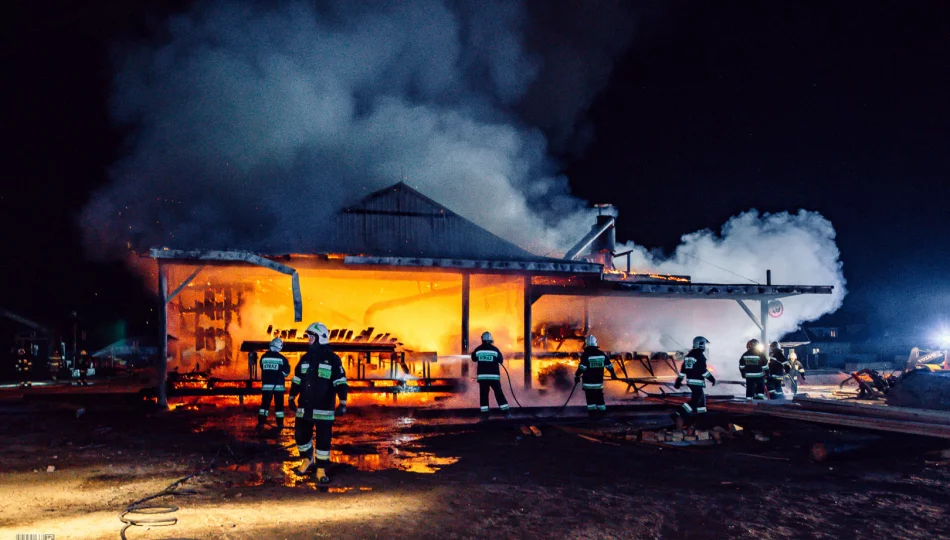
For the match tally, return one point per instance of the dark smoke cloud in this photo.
(253, 121)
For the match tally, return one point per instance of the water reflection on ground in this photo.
(367, 443)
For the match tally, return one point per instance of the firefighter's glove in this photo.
(613, 375)
(803, 376)
(712, 379)
(577, 379)
(678, 383)
(341, 410)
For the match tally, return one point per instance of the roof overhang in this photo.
(696, 291)
(591, 283)
(531, 267)
(541, 266)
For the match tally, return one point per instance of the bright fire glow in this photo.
(225, 306)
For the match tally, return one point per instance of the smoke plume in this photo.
(798, 248)
(254, 121)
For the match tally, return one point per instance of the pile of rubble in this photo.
(689, 436)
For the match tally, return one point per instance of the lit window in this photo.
(834, 333)
(815, 351)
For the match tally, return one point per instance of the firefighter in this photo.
(318, 379)
(24, 369)
(274, 370)
(488, 359)
(796, 369)
(55, 364)
(754, 367)
(83, 368)
(778, 367)
(591, 369)
(695, 372)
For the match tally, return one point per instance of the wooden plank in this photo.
(923, 429)
(875, 411)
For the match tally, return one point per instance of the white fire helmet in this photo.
(699, 342)
(319, 331)
(486, 337)
(591, 341)
(276, 345)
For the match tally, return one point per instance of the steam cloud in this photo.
(798, 248)
(254, 121)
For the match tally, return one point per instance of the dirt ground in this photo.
(404, 474)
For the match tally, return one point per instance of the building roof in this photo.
(795, 339)
(399, 227)
(398, 221)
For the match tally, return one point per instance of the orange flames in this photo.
(227, 305)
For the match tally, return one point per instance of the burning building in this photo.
(405, 283)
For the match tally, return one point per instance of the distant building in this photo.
(844, 347)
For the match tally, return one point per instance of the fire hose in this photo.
(154, 515)
(557, 412)
(148, 512)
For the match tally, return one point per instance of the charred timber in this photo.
(302, 346)
(540, 267)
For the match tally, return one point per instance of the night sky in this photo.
(837, 107)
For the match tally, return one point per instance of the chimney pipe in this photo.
(602, 236)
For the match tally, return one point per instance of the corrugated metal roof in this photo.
(398, 221)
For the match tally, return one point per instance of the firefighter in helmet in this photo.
(778, 368)
(274, 370)
(796, 370)
(488, 360)
(754, 367)
(591, 369)
(55, 364)
(24, 368)
(695, 372)
(318, 379)
(83, 368)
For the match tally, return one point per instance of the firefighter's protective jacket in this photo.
(782, 365)
(776, 369)
(274, 369)
(754, 365)
(694, 369)
(318, 379)
(796, 368)
(23, 364)
(593, 363)
(488, 358)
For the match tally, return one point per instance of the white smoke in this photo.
(252, 121)
(798, 248)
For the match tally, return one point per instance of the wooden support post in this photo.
(162, 367)
(466, 304)
(528, 299)
(587, 331)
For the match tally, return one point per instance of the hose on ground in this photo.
(513, 395)
(139, 514)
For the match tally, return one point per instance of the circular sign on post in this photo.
(776, 309)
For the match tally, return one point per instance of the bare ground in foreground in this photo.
(450, 478)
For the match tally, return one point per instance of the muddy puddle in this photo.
(366, 443)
